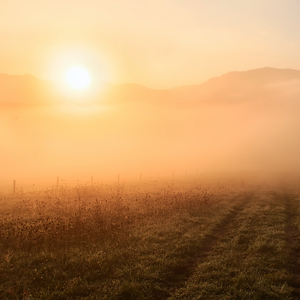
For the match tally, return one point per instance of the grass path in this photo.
(249, 261)
(208, 242)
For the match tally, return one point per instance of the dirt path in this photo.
(292, 243)
(181, 274)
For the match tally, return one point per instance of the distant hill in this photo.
(230, 87)
(238, 86)
(24, 89)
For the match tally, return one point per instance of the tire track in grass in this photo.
(292, 243)
(248, 262)
(181, 274)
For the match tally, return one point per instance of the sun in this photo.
(78, 78)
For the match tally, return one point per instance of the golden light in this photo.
(78, 78)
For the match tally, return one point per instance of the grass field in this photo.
(195, 239)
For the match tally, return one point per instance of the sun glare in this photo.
(78, 78)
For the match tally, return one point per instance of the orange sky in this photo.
(160, 44)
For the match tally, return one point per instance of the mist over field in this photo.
(241, 121)
(150, 149)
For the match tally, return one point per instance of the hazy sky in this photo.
(157, 43)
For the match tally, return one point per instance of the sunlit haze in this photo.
(111, 87)
(78, 77)
(159, 44)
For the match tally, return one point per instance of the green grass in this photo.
(161, 241)
(248, 262)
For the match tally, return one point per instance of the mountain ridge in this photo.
(29, 89)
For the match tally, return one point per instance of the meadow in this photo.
(200, 238)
